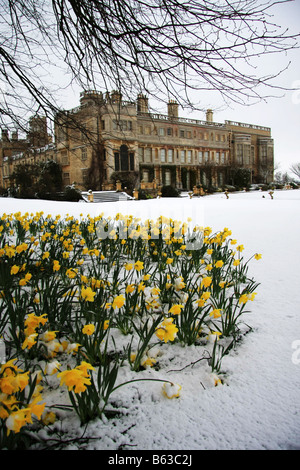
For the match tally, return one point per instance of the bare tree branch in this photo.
(160, 47)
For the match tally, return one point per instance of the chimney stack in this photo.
(142, 103)
(173, 109)
(209, 115)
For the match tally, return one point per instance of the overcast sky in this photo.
(280, 113)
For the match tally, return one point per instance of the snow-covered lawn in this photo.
(258, 406)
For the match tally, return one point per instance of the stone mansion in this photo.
(105, 138)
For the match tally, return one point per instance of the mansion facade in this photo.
(106, 139)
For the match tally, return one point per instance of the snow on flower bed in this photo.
(256, 384)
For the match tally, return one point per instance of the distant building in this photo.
(106, 138)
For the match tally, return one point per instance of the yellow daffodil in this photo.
(167, 330)
(130, 288)
(206, 281)
(14, 269)
(29, 341)
(128, 266)
(216, 313)
(56, 265)
(118, 301)
(171, 390)
(219, 264)
(138, 266)
(243, 299)
(88, 294)
(88, 329)
(74, 379)
(176, 309)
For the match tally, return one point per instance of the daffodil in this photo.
(219, 264)
(243, 299)
(257, 256)
(206, 281)
(18, 419)
(49, 418)
(88, 329)
(167, 330)
(216, 313)
(176, 309)
(74, 379)
(52, 367)
(139, 266)
(130, 288)
(118, 301)
(88, 294)
(29, 341)
(56, 265)
(128, 266)
(14, 269)
(171, 390)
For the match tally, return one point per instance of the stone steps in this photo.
(107, 196)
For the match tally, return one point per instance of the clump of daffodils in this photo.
(19, 406)
(69, 286)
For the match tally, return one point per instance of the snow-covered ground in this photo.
(258, 407)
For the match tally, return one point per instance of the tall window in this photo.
(83, 154)
(170, 155)
(124, 161)
(163, 155)
(148, 154)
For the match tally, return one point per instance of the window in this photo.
(66, 179)
(124, 161)
(145, 176)
(83, 153)
(117, 161)
(217, 157)
(148, 154)
(161, 131)
(189, 156)
(170, 155)
(182, 159)
(147, 130)
(167, 178)
(206, 156)
(122, 125)
(64, 157)
(163, 155)
(84, 173)
(169, 131)
(181, 133)
(239, 153)
(200, 156)
(141, 154)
